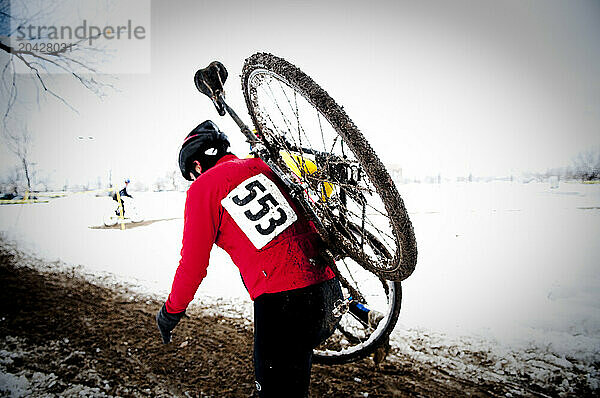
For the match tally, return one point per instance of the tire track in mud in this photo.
(130, 225)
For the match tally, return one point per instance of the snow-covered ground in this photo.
(503, 267)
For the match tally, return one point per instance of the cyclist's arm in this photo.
(201, 223)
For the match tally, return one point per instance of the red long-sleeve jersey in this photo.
(240, 205)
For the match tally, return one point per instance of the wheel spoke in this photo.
(296, 116)
(293, 129)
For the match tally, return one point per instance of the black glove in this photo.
(167, 322)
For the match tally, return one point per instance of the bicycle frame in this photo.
(330, 188)
(209, 81)
(259, 150)
(296, 190)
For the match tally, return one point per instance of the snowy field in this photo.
(505, 268)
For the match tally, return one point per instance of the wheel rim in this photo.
(264, 68)
(287, 119)
(353, 339)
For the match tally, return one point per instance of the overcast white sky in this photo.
(482, 87)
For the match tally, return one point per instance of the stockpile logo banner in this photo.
(74, 36)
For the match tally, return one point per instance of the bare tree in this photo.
(9, 183)
(75, 58)
(42, 181)
(172, 176)
(19, 143)
(586, 165)
(24, 64)
(164, 183)
(171, 181)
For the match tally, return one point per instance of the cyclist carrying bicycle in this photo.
(240, 205)
(122, 192)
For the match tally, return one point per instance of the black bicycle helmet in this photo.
(206, 144)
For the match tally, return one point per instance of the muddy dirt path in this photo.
(130, 225)
(63, 335)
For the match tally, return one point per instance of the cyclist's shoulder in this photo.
(246, 162)
(233, 169)
(227, 174)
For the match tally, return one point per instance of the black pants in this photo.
(287, 326)
(118, 211)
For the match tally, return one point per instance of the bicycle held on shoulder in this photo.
(335, 177)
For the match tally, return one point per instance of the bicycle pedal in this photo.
(340, 308)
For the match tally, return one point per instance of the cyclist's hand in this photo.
(166, 323)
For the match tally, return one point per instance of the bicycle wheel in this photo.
(134, 215)
(311, 139)
(110, 220)
(353, 338)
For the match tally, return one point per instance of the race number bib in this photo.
(260, 210)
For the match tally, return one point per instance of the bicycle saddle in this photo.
(209, 81)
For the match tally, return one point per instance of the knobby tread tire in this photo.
(405, 258)
(368, 349)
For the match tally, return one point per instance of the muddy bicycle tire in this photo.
(110, 221)
(404, 258)
(405, 252)
(358, 350)
(356, 347)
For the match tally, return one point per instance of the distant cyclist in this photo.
(122, 192)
